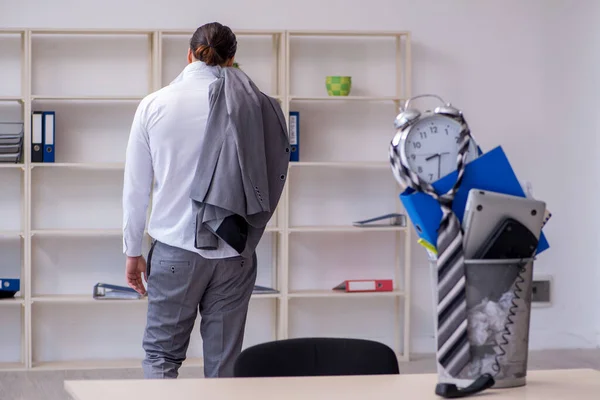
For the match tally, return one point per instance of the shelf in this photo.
(96, 232)
(103, 364)
(189, 32)
(87, 98)
(7, 31)
(88, 299)
(8, 98)
(258, 296)
(12, 366)
(294, 164)
(11, 166)
(335, 293)
(94, 166)
(5, 234)
(76, 232)
(348, 229)
(12, 302)
(346, 98)
(49, 31)
(341, 164)
(81, 299)
(348, 33)
(95, 115)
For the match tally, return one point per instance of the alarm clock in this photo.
(429, 145)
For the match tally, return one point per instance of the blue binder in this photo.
(9, 287)
(490, 171)
(49, 129)
(294, 132)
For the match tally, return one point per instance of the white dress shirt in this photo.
(164, 145)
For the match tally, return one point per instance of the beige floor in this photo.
(48, 385)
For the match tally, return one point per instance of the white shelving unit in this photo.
(60, 223)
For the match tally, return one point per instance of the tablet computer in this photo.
(485, 210)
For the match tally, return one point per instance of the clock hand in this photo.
(439, 157)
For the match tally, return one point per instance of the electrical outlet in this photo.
(541, 290)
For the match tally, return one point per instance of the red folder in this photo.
(366, 285)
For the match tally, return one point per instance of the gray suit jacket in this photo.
(242, 166)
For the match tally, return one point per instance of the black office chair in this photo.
(316, 357)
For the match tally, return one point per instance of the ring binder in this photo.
(37, 137)
(49, 136)
(104, 291)
(393, 220)
(9, 288)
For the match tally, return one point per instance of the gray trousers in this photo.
(182, 284)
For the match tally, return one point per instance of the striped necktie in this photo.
(453, 345)
(453, 348)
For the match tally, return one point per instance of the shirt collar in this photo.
(200, 68)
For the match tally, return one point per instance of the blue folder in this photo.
(490, 171)
(10, 285)
(294, 131)
(49, 134)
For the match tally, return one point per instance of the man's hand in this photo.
(136, 267)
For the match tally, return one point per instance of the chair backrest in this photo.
(316, 357)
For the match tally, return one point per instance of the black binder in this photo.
(37, 137)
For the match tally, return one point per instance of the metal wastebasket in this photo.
(498, 296)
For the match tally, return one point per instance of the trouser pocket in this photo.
(149, 262)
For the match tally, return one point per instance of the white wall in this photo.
(521, 71)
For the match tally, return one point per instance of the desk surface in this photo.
(580, 384)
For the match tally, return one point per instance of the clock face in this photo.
(431, 147)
